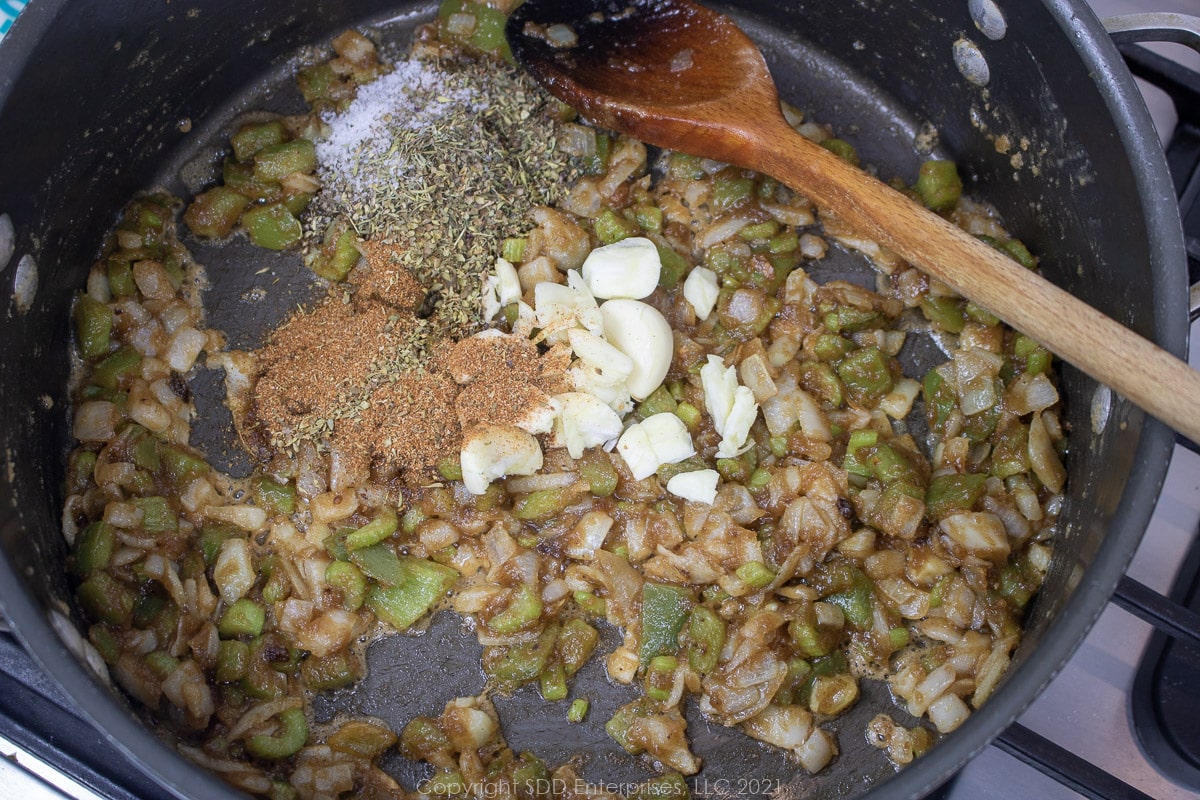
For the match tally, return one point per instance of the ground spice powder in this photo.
(433, 165)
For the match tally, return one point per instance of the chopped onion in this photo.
(948, 712)
(95, 421)
(1043, 458)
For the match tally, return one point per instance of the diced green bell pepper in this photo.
(402, 605)
(706, 638)
(665, 608)
(93, 327)
(954, 492)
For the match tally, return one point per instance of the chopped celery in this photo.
(842, 149)
(940, 400)
(759, 478)
(179, 466)
(590, 603)
(820, 379)
(275, 162)
(514, 250)
(349, 579)
(272, 226)
(690, 415)
(674, 267)
(1010, 450)
(1017, 251)
(831, 347)
(649, 218)
(857, 602)
(337, 256)
(755, 574)
(659, 401)
(244, 618)
(597, 164)
(945, 312)
(809, 640)
(611, 227)
(939, 185)
(363, 739)
(890, 463)
(525, 661)
(786, 242)
(553, 682)
(578, 710)
(660, 676)
(250, 139)
(682, 166)
(233, 659)
(291, 737)
(328, 672)
(542, 504)
(213, 214)
(450, 469)
(381, 527)
(120, 277)
(731, 191)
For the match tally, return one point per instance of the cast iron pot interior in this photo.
(92, 95)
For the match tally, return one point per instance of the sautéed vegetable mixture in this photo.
(560, 385)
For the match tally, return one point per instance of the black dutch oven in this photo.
(1055, 134)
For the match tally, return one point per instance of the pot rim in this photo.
(1124, 103)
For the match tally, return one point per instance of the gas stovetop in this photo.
(1121, 722)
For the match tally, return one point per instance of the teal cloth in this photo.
(8, 12)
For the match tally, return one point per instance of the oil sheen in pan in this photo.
(409, 675)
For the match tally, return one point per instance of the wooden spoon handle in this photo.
(1147, 375)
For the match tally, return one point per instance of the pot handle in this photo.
(1154, 27)
(1160, 27)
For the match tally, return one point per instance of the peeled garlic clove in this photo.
(701, 290)
(657, 440)
(508, 285)
(720, 385)
(493, 451)
(595, 352)
(737, 423)
(539, 415)
(614, 393)
(628, 268)
(669, 438)
(642, 333)
(699, 486)
(634, 446)
(586, 421)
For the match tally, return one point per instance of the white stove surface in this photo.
(1084, 709)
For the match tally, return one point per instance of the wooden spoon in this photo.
(683, 77)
